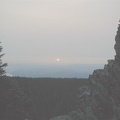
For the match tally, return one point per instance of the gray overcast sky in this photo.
(75, 31)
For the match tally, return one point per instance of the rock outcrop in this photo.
(101, 99)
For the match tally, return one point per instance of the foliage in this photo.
(2, 65)
(37, 98)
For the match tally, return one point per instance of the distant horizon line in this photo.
(24, 63)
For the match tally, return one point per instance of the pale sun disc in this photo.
(58, 59)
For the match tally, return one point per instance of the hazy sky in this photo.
(75, 31)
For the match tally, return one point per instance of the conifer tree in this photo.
(2, 65)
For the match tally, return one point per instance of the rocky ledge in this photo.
(101, 99)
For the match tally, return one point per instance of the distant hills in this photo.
(55, 71)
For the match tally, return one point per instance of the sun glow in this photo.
(58, 59)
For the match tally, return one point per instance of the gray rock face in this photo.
(101, 99)
(117, 45)
(105, 87)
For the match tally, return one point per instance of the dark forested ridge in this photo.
(37, 98)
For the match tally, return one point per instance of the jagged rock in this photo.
(101, 99)
(117, 45)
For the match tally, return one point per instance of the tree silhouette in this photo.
(2, 65)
